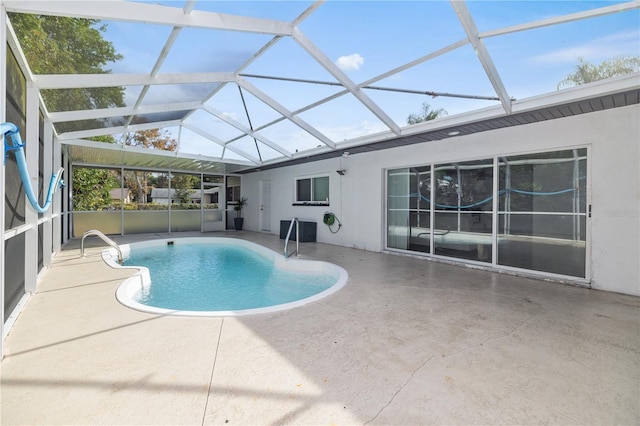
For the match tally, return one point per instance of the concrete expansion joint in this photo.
(399, 390)
(491, 339)
(213, 369)
(519, 326)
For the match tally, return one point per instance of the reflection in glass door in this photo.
(213, 203)
(463, 219)
(265, 205)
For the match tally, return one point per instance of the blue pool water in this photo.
(215, 277)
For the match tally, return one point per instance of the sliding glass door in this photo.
(409, 209)
(527, 212)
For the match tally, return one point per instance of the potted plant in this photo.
(239, 220)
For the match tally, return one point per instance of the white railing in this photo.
(286, 241)
(103, 238)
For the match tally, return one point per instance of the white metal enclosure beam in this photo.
(607, 10)
(285, 112)
(140, 150)
(460, 7)
(154, 72)
(12, 40)
(92, 114)
(79, 81)
(214, 139)
(389, 73)
(255, 56)
(115, 130)
(149, 14)
(47, 225)
(187, 16)
(32, 151)
(224, 117)
(3, 101)
(187, 9)
(57, 208)
(264, 48)
(418, 61)
(326, 63)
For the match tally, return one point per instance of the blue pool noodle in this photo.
(11, 130)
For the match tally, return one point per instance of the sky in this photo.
(365, 39)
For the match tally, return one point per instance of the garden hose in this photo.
(330, 219)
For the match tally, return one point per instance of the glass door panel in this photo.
(409, 208)
(398, 208)
(420, 209)
(213, 203)
(542, 212)
(463, 220)
(186, 202)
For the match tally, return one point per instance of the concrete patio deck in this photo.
(405, 342)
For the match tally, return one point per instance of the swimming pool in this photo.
(219, 277)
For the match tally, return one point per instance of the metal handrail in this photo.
(103, 238)
(286, 241)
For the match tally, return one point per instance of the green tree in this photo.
(61, 45)
(185, 185)
(138, 181)
(587, 73)
(151, 138)
(103, 138)
(426, 114)
(91, 188)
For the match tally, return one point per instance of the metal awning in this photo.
(99, 154)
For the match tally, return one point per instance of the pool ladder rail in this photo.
(296, 252)
(95, 232)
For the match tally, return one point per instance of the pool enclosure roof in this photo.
(253, 85)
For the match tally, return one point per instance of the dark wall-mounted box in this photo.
(307, 231)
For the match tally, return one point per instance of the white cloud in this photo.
(351, 62)
(352, 131)
(618, 44)
(232, 115)
(565, 55)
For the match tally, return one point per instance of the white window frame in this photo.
(297, 201)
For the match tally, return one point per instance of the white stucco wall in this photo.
(613, 137)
